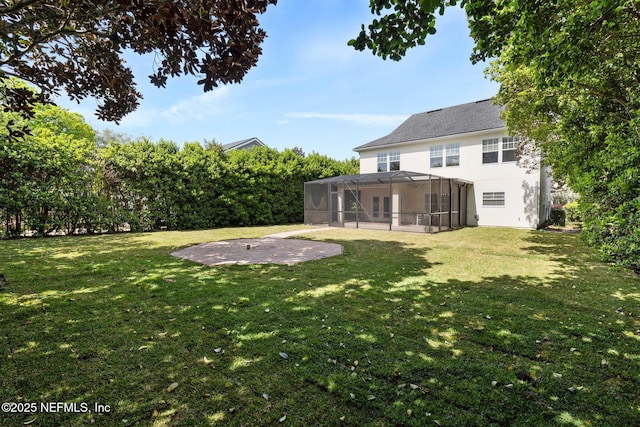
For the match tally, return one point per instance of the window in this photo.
(493, 199)
(394, 161)
(376, 207)
(453, 154)
(382, 162)
(386, 206)
(509, 145)
(436, 156)
(490, 150)
(352, 199)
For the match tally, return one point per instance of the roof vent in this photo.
(433, 111)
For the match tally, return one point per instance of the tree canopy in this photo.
(570, 81)
(78, 46)
(45, 170)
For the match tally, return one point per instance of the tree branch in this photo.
(16, 7)
(62, 30)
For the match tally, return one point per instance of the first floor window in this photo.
(352, 201)
(490, 150)
(493, 198)
(436, 156)
(386, 206)
(376, 207)
(394, 161)
(509, 146)
(382, 162)
(453, 154)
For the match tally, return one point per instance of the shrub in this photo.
(616, 237)
(573, 212)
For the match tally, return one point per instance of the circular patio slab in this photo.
(267, 250)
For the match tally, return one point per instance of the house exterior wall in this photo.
(502, 194)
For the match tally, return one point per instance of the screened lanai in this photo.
(396, 200)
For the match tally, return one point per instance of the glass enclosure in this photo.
(395, 200)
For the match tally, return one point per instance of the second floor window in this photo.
(394, 161)
(436, 156)
(509, 146)
(388, 161)
(490, 149)
(382, 162)
(453, 154)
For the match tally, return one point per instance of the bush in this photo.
(573, 212)
(558, 216)
(616, 237)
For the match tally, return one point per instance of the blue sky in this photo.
(309, 89)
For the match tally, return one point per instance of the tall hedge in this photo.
(45, 177)
(140, 185)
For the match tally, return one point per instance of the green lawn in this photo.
(479, 326)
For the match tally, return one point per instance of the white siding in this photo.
(525, 194)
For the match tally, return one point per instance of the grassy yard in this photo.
(479, 326)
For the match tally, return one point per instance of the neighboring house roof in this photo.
(459, 119)
(244, 144)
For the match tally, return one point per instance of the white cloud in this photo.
(360, 119)
(197, 107)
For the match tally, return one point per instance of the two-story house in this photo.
(441, 169)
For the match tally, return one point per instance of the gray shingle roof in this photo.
(380, 178)
(459, 119)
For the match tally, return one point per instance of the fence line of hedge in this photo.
(145, 186)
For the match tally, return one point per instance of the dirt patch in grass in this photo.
(268, 250)
(570, 229)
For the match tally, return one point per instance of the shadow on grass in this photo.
(117, 322)
(366, 338)
(566, 248)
